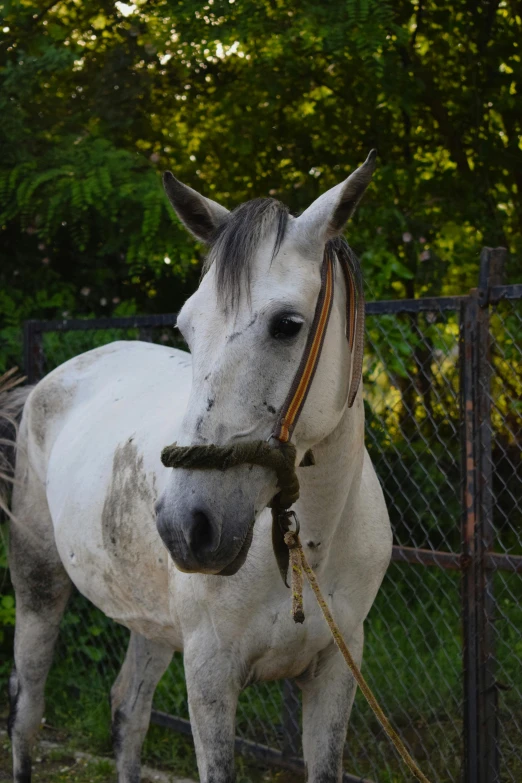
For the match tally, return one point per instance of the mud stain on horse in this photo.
(129, 504)
(50, 399)
(136, 578)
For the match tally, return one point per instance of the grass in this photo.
(164, 751)
(59, 765)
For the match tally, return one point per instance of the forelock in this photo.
(234, 245)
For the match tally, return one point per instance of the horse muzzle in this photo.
(202, 538)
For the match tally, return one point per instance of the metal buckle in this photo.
(296, 520)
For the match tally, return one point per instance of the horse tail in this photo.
(12, 400)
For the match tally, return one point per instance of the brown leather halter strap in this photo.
(304, 376)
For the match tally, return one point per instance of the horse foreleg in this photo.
(131, 702)
(213, 688)
(328, 695)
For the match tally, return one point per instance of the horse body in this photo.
(102, 473)
(90, 478)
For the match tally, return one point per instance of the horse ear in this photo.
(326, 217)
(200, 215)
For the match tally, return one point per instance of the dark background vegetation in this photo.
(268, 97)
(244, 99)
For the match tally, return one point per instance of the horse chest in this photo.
(290, 652)
(292, 647)
(254, 622)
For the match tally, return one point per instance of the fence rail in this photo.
(444, 424)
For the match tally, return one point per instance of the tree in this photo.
(243, 99)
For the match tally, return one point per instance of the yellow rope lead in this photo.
(294, 544)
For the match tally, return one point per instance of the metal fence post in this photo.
(33, 351)
(480, 692)
(468, 321)
(492, 262)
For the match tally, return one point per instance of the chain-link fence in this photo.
(443, 391)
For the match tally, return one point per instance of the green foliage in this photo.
(7, 614)
(244, 99)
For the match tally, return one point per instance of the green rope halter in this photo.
(255, 452)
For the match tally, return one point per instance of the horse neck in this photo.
(325, 488)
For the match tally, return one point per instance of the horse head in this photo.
(246, 327)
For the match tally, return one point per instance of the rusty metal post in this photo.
(492, 261)
(486, 605)
(468, 325)
(480, 692)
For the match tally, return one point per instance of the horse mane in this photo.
(341, 248)
(236, 240)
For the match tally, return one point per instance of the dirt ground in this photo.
(55, 762)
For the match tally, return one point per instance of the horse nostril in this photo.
(200, 535)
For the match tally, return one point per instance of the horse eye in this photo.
(285, 326)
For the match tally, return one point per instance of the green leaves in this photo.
(246, 99)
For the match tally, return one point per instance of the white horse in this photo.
(173, 554)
